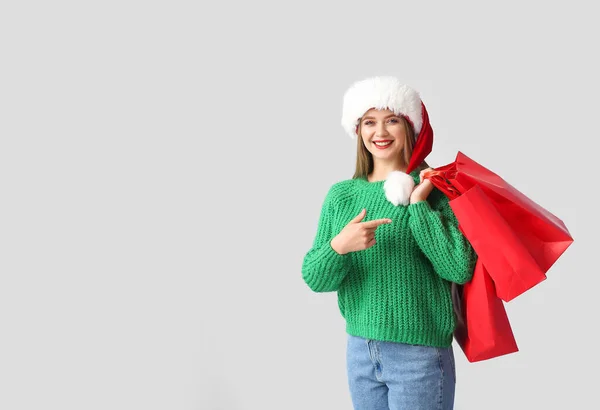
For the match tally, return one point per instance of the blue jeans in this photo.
(397, 376)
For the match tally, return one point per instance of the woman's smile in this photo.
(382, 144)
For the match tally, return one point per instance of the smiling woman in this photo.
(393, 272)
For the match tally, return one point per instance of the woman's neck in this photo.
(381, 171)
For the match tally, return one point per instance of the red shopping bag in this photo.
(484, 332)
(516, 239)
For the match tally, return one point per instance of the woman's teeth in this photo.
(382, 144)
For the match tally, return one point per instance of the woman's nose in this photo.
(381, 130)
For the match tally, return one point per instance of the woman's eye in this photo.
(369, 122)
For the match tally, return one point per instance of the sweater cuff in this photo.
(419, 209)
(332, 258)
(325, 269)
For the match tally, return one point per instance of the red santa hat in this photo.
(389, 93)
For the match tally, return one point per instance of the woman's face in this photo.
(383, 134)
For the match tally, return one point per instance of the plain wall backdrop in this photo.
(163, 165)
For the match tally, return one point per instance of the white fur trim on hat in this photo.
(380, 93)
(398, 187)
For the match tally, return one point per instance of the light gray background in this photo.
(162, 168)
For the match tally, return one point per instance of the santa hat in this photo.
(389, 93)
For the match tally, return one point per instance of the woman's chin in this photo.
(384, 154)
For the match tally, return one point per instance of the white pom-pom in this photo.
(398, 186)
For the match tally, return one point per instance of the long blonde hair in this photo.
(364, 159)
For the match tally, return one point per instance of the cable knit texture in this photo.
(399, 289)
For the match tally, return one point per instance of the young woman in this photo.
(389, 244)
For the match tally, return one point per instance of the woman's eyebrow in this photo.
(388, 116)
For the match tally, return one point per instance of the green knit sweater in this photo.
(399, 289)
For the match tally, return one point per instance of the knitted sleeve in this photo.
(436, 231)
(323, 269)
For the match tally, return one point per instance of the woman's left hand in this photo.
(421, 191)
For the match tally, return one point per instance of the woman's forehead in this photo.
(375, 112)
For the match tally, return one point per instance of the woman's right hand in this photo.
(357, 235)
